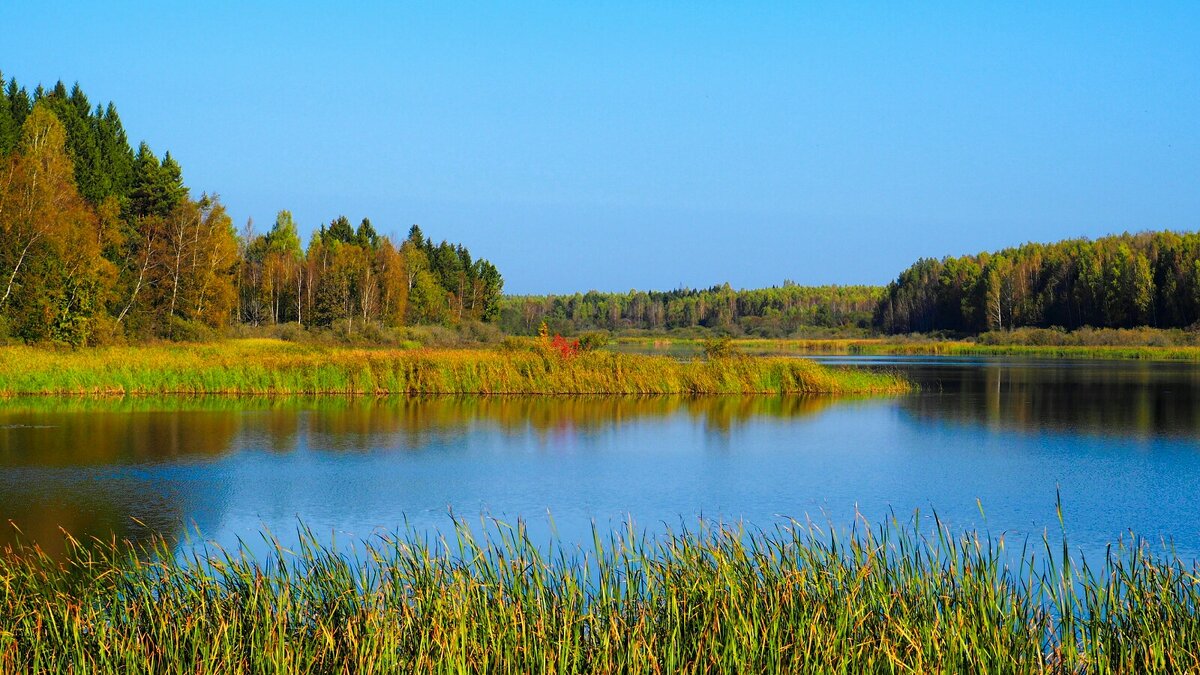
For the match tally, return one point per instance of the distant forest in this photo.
(766, 312)
(1121, 281)
(99, 243)
(1146, 279)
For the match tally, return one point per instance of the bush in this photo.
(479, 332)
(720, 347)
(513, 344)
(1090, 337)
(106, 332)
(431, 336)
(182, 330)
(593, 340)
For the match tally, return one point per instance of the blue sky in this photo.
(618, 145)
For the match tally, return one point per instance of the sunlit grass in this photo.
(275, 367)
(715, 599)
(920, 347)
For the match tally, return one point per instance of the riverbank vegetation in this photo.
(275, 367)
(894, 598)
(985, 345)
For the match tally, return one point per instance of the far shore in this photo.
(918, 346)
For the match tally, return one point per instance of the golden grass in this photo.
(269, 367)
(910, 347)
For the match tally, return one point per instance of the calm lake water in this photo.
(1120, 439)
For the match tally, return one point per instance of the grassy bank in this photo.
(714, 600)
(276, 367)
(917, 347)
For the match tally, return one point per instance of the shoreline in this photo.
(886, 347)
(269, 367)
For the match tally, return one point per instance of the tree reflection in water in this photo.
(76, 464)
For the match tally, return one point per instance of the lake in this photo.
(1121, 440)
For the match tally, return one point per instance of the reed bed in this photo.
(912, 347)
(268, 367)
(715, 599)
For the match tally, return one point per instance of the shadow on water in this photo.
(128, 466)
(1133, 399)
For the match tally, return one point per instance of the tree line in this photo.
(1121, 281)
(778, 311)
(100, 242)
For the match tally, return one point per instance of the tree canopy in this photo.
(99, 242)
(1121, 281)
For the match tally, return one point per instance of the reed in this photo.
(915, 347)
(890, 598)
(268, 367)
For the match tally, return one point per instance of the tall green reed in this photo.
(895, 597)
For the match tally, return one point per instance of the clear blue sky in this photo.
(618, 145)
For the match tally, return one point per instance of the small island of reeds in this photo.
(270, 367)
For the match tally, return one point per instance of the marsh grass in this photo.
(905, 346)
(798, 598)
(269, 367)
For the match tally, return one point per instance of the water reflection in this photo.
(135, 466)
(78, 432)
(1120, 440)
(1095, 398)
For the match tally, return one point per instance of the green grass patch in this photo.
(715, 599)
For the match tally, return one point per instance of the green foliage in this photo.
(156, 188)
(718, 347)
(340, 231)
(1116, 282)
(94, 234)
(365, 236)
(768, 312)
(593, 340)
(898, 597)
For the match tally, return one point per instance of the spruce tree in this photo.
(341, 230)
(366, 236)
(10, 131)
(19, 104)
(116, 157)
(146, 196)
(171, 176)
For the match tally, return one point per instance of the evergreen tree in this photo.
(10, 131)
(340, 230)
(156, 188)
(365, 236)
(19, 103)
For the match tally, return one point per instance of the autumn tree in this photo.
(50, 260)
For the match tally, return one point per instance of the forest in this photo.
(1120, 281)
(774, 312)
(100, 243)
